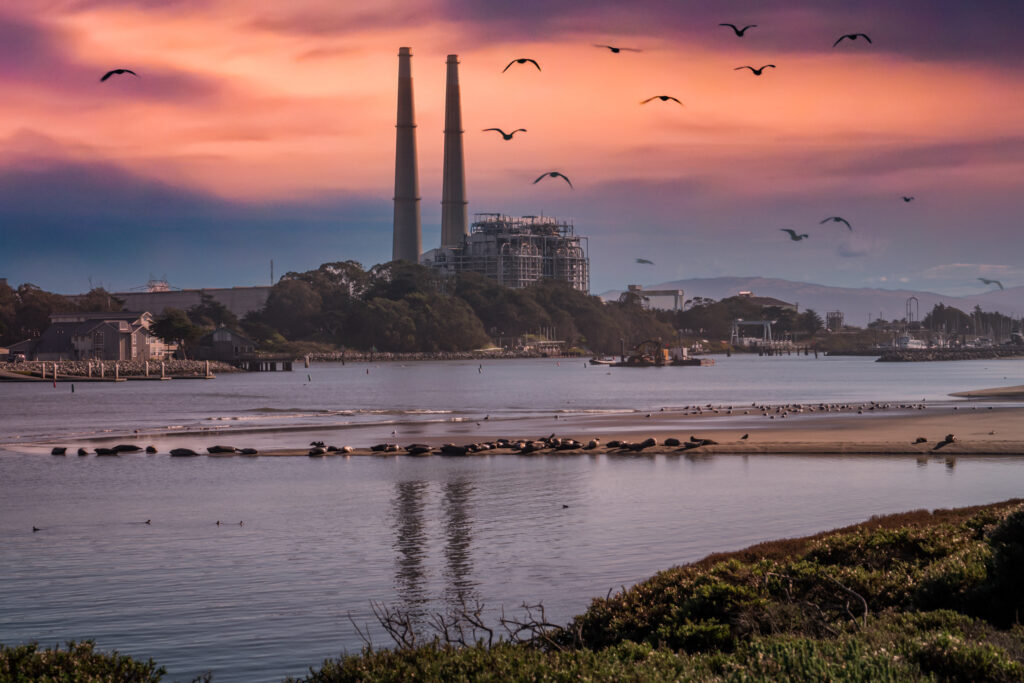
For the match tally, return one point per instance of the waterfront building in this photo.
(121, 335)
(224, 344)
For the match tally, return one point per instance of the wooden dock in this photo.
(265, 363)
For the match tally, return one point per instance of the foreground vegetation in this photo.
(916, 596)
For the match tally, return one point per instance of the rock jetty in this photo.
(911, 355)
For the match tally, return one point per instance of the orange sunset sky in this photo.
(261, 130)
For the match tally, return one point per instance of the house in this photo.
(121, 335)
(224, 344)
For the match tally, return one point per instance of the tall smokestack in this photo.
(453, 192)
(407, 239)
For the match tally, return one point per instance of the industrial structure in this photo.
(408, 241)
(644, 296)
(517, 251)
(453, 191)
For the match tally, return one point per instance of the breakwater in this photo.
(912, 355)
(125, 369)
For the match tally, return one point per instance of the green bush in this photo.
(79, 662)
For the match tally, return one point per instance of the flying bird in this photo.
(992, 282)
(792, 234)
(553, 174)
(115, 72)
(836, 219)
(907, 199)
(739, 31)
(757, 72)
(522, 60)
(507, 136)
(647, 261)
(851, 36)
(663, 98)
(617, 50)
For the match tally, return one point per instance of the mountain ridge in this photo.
(857, 304)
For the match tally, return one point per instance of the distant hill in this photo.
(856, 304)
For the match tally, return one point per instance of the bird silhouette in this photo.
(522, 60)
(507, 136)
(553, 174)
(836, 219)
(115, 72)
(643, 260)
(35, 529)
(663, 98)
(744, 437)
(617, 50)
(992, 282)
(851, 36)
(757, 72)
(907, 199)
(792, 234)
(739, 31)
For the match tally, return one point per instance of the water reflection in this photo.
(459, 585)
(410, 545)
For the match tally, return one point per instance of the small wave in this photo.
(598, 411)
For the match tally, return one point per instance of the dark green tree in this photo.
(212, 313)
(174, 326)
(99, 299)
(293, 308)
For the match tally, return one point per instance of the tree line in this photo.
(404, 307)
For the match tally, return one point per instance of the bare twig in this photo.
(363, 635)
(857, 595)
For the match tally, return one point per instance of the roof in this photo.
(83, 316)
(207, 339)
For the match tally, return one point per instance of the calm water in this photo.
(422, 399)
(323, 538)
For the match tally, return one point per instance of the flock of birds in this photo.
(739, 31)
(616, 49)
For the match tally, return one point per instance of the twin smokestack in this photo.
(408, 241)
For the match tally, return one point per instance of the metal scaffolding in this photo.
(518, 251)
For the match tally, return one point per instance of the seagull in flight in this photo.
(663, 98)
(836, 219)
(757, 72)
(851, 36)
(553, 174)
(507, 136)
(522, 60)
(907, 199)
(617, 50)
(739, 31)
(116, 72)
(792, 234)
(992, 282)
(647, 261)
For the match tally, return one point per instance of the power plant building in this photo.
(517, 251)
(514, 251)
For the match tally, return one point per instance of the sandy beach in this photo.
(978, 429)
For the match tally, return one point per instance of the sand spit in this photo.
(977, 429)
(1016, 392)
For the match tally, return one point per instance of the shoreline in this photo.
(979, 429)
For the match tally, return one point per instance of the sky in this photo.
(258, 130)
